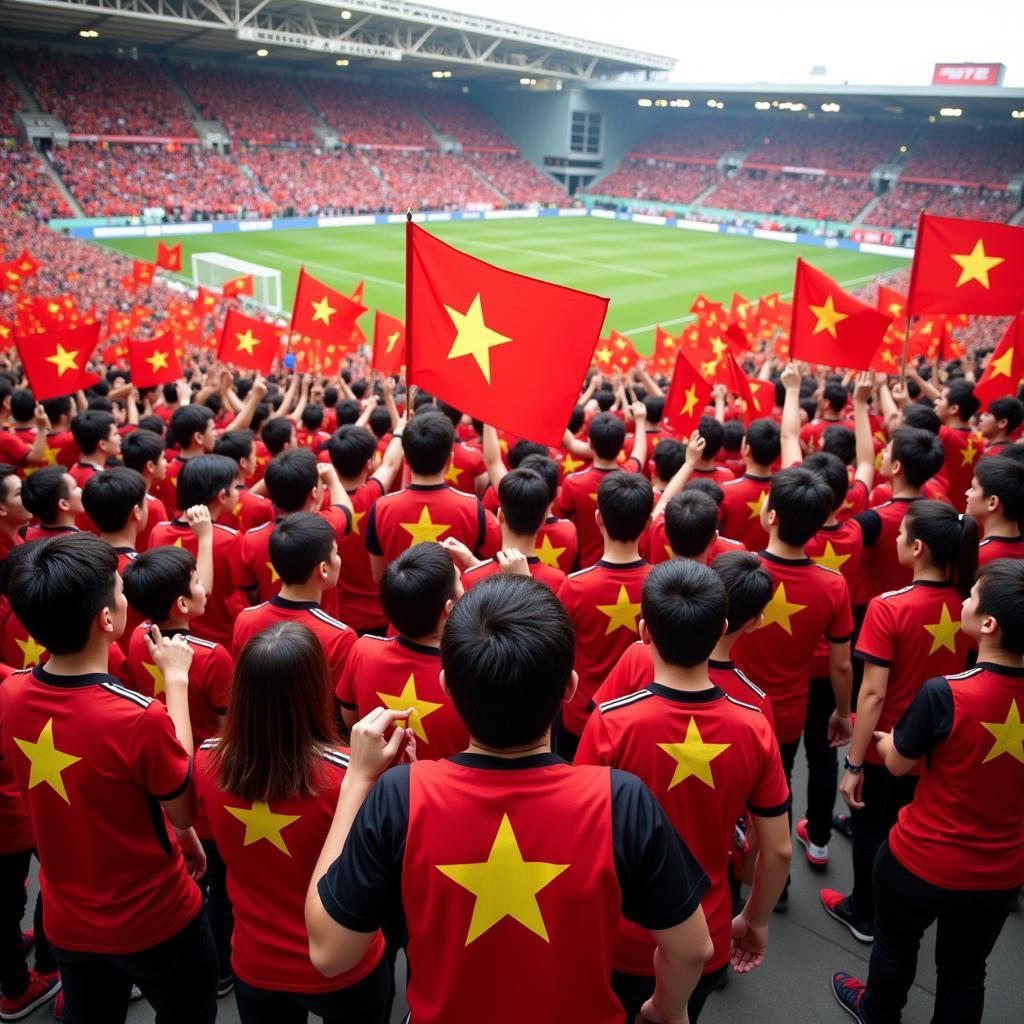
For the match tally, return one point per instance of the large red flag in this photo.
(830, 327)
(154, 362)
(507, 349)
(142, 272)
(1006, 367)
(56, 362)
(666, 348)
(204, 302)
(322, 313)
(687, 398)
(967, 266)
(168, 256)
(237, 286)
(247, 343)
(388, 343)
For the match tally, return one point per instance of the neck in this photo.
(832, 518)
(678, 678)
(957, 423)
(600, 463)
(991, 651)
(901, 489)
(431, 639)
(174, 621)
(620, 552)
(706, 464)
(426, 480)
(149, 478)
(524, 542)
(723, 649)
(780, 549)
(1000, 526)
(93, 658)
(94, 459)
(9, 528)
(829, 416)
(63, 519)
(308, 591)
(925, 572)
(756, 469)
(124, 539)
(191, 452)
(1001, 438)
(350, 483)
(540, 746)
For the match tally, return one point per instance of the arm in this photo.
(243, 417)
(639, 452)
(289, 396)
(792, 454)
(131, 408)
(895, 762)
(650, 384)
(377, 567)
(391, 463)
(200, 523)
(492, 455)
(37, 453)
(927, 387)
(335, 489)
(719, 391)
(694, 450)
(870, 702)
(296, 414)
(364, 416)
(865, 449)
(592, 385)
(576, 447)
(840, 671)
(389, 402)
(678, 962)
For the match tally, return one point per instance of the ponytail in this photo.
(951, 540)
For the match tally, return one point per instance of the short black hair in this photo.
(961, 394)
(833, 472)
(58, 587)
(691, 519)
(1006, 408)
(155, 579)
(507, 651)
(763, 439)
(170, 393)
(350, 448)
(380, 422)
(139, 447)
(151, 423)
(1001, 595)
(299, 543)
(415, 588)
(748, 585)
(427, 442)
(919, 453)
(290, 476)
(839, 441)
(705, 485)
(276, 433)
(655, 406)
(23, 405)
(922, 417)
(606, 434)
(625, 501)
(43, 491)
(187, 421)
(684, 605)
(90, 428)
(732, 435)
(669, 456)
(110, 496)
(1003, 479)
(203, 477)
(346, 412)
(523, 449)
(56, 407)
(713, 433)
(802, 502)
(235, 444)
(313, 417)
(548, 470)
(1013, 452)
(524, 498)
(605, 398)
(835, 396)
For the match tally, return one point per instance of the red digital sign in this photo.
(968, 74)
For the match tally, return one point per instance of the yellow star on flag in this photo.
(47, 761)
(621, 615)
(63, 360)
(969, 453)
(504, 885)
(717, 346)
(756, 506)
(975, 265)
(548, 553)
(31, 651)
(392, 338)
(473, 336)
(604, 354)
(157, 676)
(944, 632)
(262, 823)
(1009, 736)
(1002, 366)
(830, 559)
(247, 342)
(424, 529)
(323, 311)
(452, 473)
(407, 699)
(691, 400)
(157, 361)
(828, 316)
(779, 609)
(274, 577)
(693, 756)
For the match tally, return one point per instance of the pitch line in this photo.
(332, 268)
(617, 267)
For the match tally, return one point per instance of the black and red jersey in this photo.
(558, 544)
(38, 531)
(963, 446)
(551, 578)
(741, 510)
(578, 501)
(992, 548)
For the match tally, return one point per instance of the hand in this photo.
(638, 411)
(259, 388)
(324, 471)
(719, 391)
(400, 424)
(649, 1012)
(371, 403)
(513, 561)
(790, 377)
(852, 788)
(883, 743)
(172, 656)
(900, 395)
(695, 448)
(749, 945)
(199, 521)
(193, 852)
(388, 386)
(863, 389)
(372, 752)
(459, 552)
(40, 420)
(840, 729)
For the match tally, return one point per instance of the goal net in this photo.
(213, 270)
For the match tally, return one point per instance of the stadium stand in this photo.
(26, 187)
(789, 195)
(703, 138)
(368, 116)
(430, 181)
(454, 116)
(657, 181)
(900, 206)
(955, 153)
(517, 179)
(833, 146)
(10, 102)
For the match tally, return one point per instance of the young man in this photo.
(144, 451)
(500, 894)
(708, 759)
(962, 444)
(745, 497)
(832, 399)
(707, 469)
(30, 448)
(99, 767)
(13, 514)
(996, 499)
(250, 510)
(55, 499)
(193, 430)
(98, 441)
(999, 422)
(956, 855)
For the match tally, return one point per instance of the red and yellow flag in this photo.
(666, 347)
(154, 362)
(1006, 367)
(237, 286)
(168, 256)
(892, 303)
(321, 313)
(388, 343)
(142, 272)
(56, 362)
(687, 399)
(247, 343)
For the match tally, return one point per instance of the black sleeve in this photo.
(927, 722)
(870, 523)
(481, 527)
(372, 541)
(362, 889)
(662, 884)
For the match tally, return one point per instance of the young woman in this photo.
(267, 788)
(909, 635)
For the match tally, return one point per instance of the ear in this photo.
(989, 626)
(105, 618)
(501, 516)
(570, 687)
(645, 633)
(181, 603)
(754, 624)
(725, 628)
(444, 684)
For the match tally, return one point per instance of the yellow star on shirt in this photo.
(693, 756)
(356, 517)
(1002, 366)
(548, 553)
(274, 577)
(262, 823)
(407, 699)
(247, 342)
(1009, 736)
(779, 609)
(157, 361)
(828, 316)
(570, 465)
(452, 473)
(474, 338)
(31, 651)
(975, 265)
(830, 559)
(969, 453)
(424, 529)
(63, 360)
(323, 311)
(621, 615)
(47, 761)
(237, 510)
(756, 506)
(944, 632)
(504, 885)
(157, 676)
(691, 400)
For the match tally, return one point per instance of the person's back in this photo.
(745, 496)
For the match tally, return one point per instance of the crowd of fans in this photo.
(657, 181)
(902, 204)
(791, 195)
(10, 102)
(705, 137)
(367, 115)
(517, 179)
(967, 153)
(837, 146)
(454, 116)
(430, 181)
(25, 185)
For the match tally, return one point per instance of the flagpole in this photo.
(910, 299)
(408, 311)
(291, 321)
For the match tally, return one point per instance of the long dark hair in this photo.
(951, 540)
(278, 717)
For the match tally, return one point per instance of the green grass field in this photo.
(651, 273)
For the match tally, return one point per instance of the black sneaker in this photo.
(843, 824)
(838, 906)
(224, 986)
(848, 992)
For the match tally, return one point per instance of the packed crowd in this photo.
(368, 115)
(454, 116)
(901, 205)
(429, 181)
(790, 195)
(10, 102)
(658, 182)
(705, 137)
(969, 153)
(26, 186)
(517, 179)
(833, 146)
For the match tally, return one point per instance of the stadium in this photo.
(168, 165)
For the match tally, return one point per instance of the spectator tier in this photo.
(456, 117)
(789, 195)
(657, 181)
(366, 115)
(967, 153)
(900, 206)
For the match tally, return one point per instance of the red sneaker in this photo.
(41, 989)
(58, 1007)
(817, 856)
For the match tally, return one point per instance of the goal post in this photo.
(213, 270)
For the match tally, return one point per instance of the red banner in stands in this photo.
(968, 74)
(874, 237)
(137, 140)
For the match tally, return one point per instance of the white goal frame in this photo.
(213, 270)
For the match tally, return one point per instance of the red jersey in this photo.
(312, 439)
(91, 757)
(209, 679)
(963, 828)
(168, 492)
(882, 571)
(156, 512)
(15, 826)
(932, 488)
(708, 759)
(430, 512)
(915, 633)
(550, 577)
(578, 502)
(604, 605)
(397, 673)
(270, 850)
(465, 465)
(357, 596)
(558, 544)
(8, 542)
(125, 556)
(741, 510)
(13, 450)
(857, 499)
(841, 548)
(808, 602)
(654, 545)
(717, 474)
(39, 532)
(61, 448)
(992, 548)
(810, 433)
(250, 510)
(963, 446)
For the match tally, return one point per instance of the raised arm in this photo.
(792, 454)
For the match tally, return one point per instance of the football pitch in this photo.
(652, 274)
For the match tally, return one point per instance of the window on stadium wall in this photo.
(586, 132)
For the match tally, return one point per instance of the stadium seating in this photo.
(658, 182)
(367, 115)
(967, 153)
(704, 137)
(456, 117)
(25, 187)
(788, 195)
(900, 206)
(430, 181)
(833, 145)
(10, 102)
(517, 179)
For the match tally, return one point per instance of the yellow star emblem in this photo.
(830, 559)
(1009, 736)
(392, 338)
(47, 761)
(407, 699)
(247, 342)
(778, 610)
(1002, 366)
(356, 518)
(944, 632)
(237, 510)
(50, 454)
(451, 475)
(158, 678)
(274, 577)
(756, 506)
(31, 651)
(621, 615)
(504, 885)
(262, 823)
(691, 400)
(828, 316)
(63, 360)
(323, 311)
(570, 465)
(969, 453)
(157, 361)
(592, 496)
(604, 354)
(975, 265)
(693, 756)
(548, 553)
(424, 529)
(717, 346)
(473, 337)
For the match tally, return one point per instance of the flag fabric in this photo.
(739, 384)
(357, 337)
(1006, 367)
(666, 347)
(142, 272)
(967, 266)
(6, 333)
(829, 326)
(40, 313)
(687, 399)
(615, 352)
(891, 302)
(322, 313)
(27, 265)
(703, 306)
(508, 349)
(388, 343)
(56, 362)
(115, 352)
(740, 310)
(168, 256)
(117, 322)
(237, 286)
(11, 276)
(762, 396)
(154, 362)
(247, 343)
(205, 302)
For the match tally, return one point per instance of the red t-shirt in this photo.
(962, 446)
(654, 545)
(39, 532)
(357, 596)
(992, 548)
(881, 569)
(250, 510)
(397, 673)
(466, 464)
(15, 826)
(718, 474)
(13, 449)
(125, 556)
(578, 502)
(558, 544)
(857, 499)
(933, 489)
(741, 510)
(168, 492)
(156, 512)
(550, 577)
(810, 433)
(90, 757)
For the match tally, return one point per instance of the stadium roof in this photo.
(398, 36)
